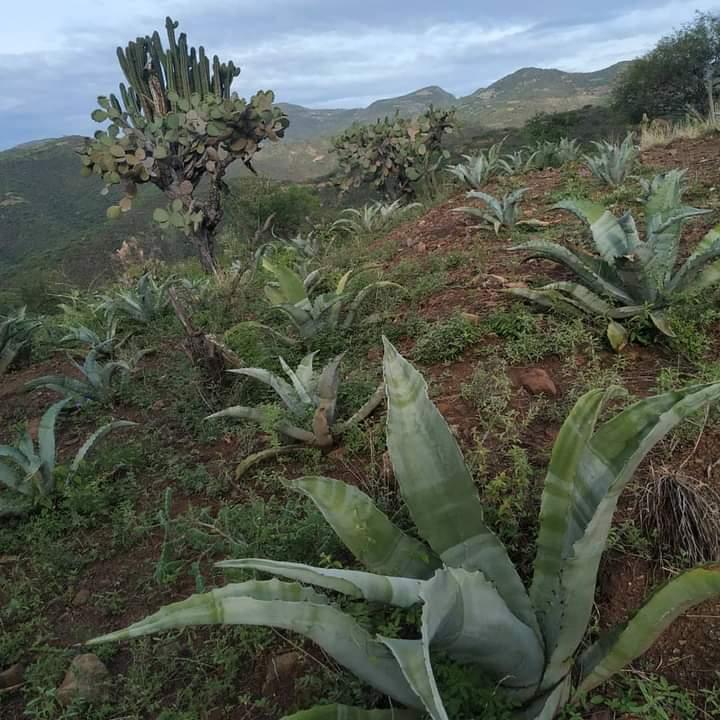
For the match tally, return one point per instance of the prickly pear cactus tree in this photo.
(175, 124)
(395, 153)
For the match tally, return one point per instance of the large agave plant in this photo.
(629, 277)
(311, 312)
(612, 163)
(28, 471)
(97, 381)
(143, 303)
(310, 398)
(475, 608)
(373, 217)
(478, 169)
(16, 332)
(503, 212)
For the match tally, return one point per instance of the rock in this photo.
(86, 678)
(12, 677)
(537, 381)
(81, 597)
(421, 247)
(281, 672)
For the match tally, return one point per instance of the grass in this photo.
(143, 522)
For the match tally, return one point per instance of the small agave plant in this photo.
(478, 169)
(475, 608)
(518, 162)
(372, 217)
(16, 332)
(28, 471)
(98, 379)
(308, 397)
(312, 313)
(504, 212)
(631, 277)
(612, 163)
(105, 341)
(144, 303)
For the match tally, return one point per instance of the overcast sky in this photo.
(56, 57)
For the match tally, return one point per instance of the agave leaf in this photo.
(396, 591)
(663, 238)
(271, 331)
(346, 712)
(582, 297)
(327, 388)
(14, 454)
(291, 285)
(557, 502)
(489, 200)
(98, 435)
(550, 299)
(90, 368)
(580, 263)
(548, 705)
(258, 415)
(438, 487)
(413, 657)
(46, 434)
(708, 249)
(466, 617)
(661, 323)
(291, 607)
(70, 387)
(622, 645)
(304, 371)
(280, 386)
(617, 335)
(366, 531)
(609, 236)
(609, 461)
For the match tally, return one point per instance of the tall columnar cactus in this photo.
(175, 124)
(394, 153)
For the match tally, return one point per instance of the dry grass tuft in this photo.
(683, 513)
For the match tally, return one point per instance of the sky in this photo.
(57, 57)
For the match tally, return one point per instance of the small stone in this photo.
(81, 597)
(12, 677)
(86, 678)
(537, 381)
(421, 247)
(281, 672)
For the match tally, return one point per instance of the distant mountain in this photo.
(309, 124)
(508, 102)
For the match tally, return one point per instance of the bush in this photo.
(672, 75)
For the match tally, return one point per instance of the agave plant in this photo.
(568, 150)
(478, 169)
(311, 312)
(309, 397)
(631, 277)
(612, 163)
(105, 341)
(28, 471)
(143, 303)
(504, 212)
(474, 606)
(518, 162)
(373, 217)
(16, 332)
(98, 379)
(304, 247)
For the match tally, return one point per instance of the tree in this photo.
(674, 75)
(178, 125)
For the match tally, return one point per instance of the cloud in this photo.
(54, 60)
